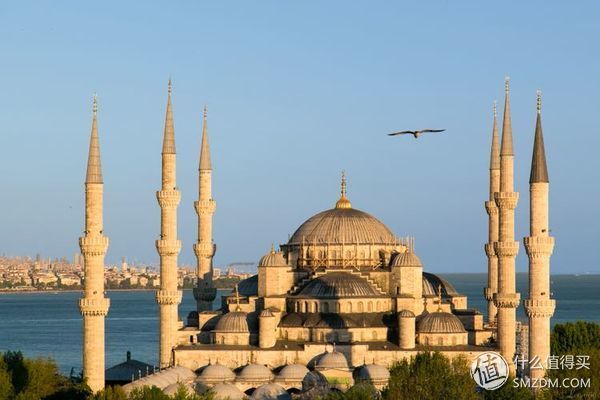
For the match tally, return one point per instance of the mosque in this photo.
(341, 301)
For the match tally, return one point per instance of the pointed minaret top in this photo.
(343, 202)
(94, 167)
(539, 169)
(205, 163)
(495, 153)
(169, 135)
(506, 148)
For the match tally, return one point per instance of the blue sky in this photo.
(297, 91)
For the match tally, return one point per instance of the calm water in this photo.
(46, 324)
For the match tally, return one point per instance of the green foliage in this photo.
(110, 393)
(507, 392)
(574, 336)
(6, 388)
(357, 392)
(430, 376)
(147, 393)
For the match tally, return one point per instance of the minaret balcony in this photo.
(93, 245)
(506, 200)
(205, 207)
(489, 250)
(168, 198)
(204, 250)
(539, 307)
(538, 246)
(506, 249)
(168, 297)
(507, 300)
(94, 307)
(488, 293)
(491, 208)
(168, 247)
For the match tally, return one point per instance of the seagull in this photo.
(416, 134)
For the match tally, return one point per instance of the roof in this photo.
(205, 164)
(506, 148)
(249, 286)
(292, 372)
(406, 259)
(335, 321)
(539, 169)
(406, 314)
(343, 225)
(227, 391)
(216, 373)
(162, 379)
(270, 391)
(235, 322)
(495, 151)
(255, 372)
(125, 371)
(372, 373)
(432, 282)
(272, 259)
(94, 166)
(332, 360)
(338, 285)
(440, 322)
(169, 134)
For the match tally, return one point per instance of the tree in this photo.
(430, 376)
(6, 388)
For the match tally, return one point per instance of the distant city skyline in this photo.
(291, 102)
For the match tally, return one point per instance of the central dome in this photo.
(343, 225)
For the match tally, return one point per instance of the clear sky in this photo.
(297, 91)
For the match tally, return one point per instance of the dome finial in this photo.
(343, 202)
(237, 298)
(272, 248)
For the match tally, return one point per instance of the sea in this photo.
(48, 324)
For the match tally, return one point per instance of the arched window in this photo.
(454, 341)
(440, 341)
(370, 306)
(325, 307)
(306, 306)
(360, 307)
(316, 307)
(378, 306)
(349, 307)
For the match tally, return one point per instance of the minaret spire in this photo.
(205, 206)
(168, 246)
(492, 211)
(539, 246)
(93, 305)
(539, 169)
(94, 166)
(506, 248)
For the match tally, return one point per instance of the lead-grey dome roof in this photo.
(235, 322)
(338, 285)
(271, 391)
(332, 360)
(255, 372)
(216, 373)
(372, 372)
(343, 225)
(227, 391)
(440, 322)
(292, 372)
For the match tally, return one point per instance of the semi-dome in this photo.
(343, 225)
(440, 322)
(235, 322)
(372, 372)
(271, 391)
(227, 391)
(255, 372)
(338, 285)
(216, 373)
(432, 282)
(406, 259)
(272, 259)
(332, 360)
(292, 372)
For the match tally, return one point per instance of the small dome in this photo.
(227, 391)
(338, 285)
(266, 313)
(315, 381)
(432, 282)
(272, 259)
(173, 388)
(440, 322)
(235, 321)
(406, 314)
(255, 372)
(248, 287)
(333, 360)
(372, 373)
(406, 259)
(216, 373)
(292, 372)
(271, 391)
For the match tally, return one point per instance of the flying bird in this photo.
(416, 134)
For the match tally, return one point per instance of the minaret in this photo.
(93, 306)
(205, 207)
(539, 245)
(492, 211)
(168, 297)
(506, 299)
